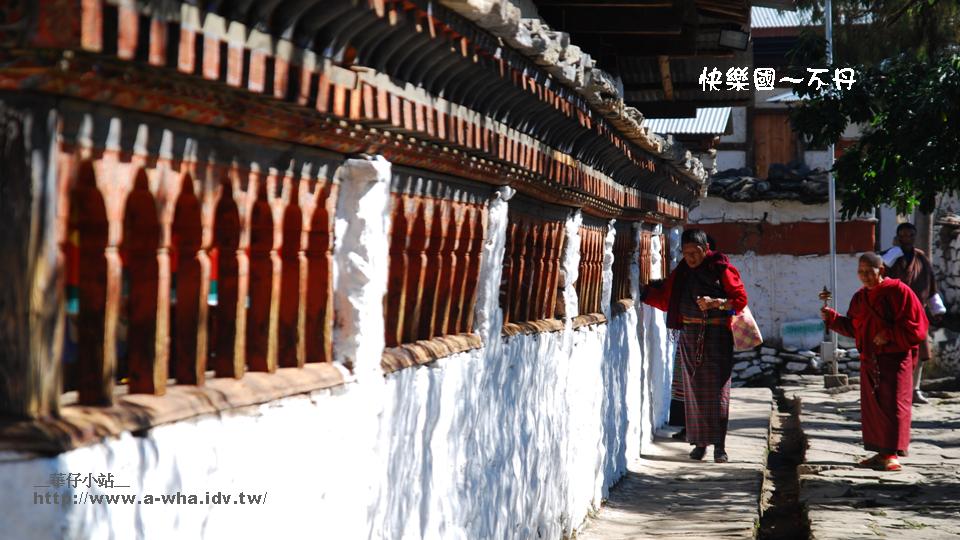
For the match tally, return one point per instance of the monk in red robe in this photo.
(699, 296)
(888, 323)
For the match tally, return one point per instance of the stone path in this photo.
(666, 495)
(846, 502)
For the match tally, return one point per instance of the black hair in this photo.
(906, 225)
(695, 236)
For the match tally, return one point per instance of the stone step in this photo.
(846, 501)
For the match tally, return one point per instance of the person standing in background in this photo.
(911, 266)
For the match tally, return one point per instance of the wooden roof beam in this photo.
(665, 78)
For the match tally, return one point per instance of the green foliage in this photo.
(921, 28)
(906, 100)
(910, 148)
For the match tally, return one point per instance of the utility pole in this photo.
(828, 349)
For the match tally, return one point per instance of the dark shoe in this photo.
(919, 398)
(698, 452)
(680, 435)
(720, 456)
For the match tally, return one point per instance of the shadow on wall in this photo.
(617, 349)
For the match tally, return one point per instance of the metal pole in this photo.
(832, 189)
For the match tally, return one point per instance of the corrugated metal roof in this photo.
(789, 97)
(762, 17)
(709, 121)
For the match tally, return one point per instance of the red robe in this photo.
(886, 371)
(704, 355)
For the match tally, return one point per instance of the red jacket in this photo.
(665, 297)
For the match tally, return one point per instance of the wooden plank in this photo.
(463, 255)
(553, 266)
(534, 264)
(452, 265)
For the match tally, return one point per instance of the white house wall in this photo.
(784, 288)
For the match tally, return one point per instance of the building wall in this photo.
(518, 438)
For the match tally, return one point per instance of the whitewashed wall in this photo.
(784, 288)
(518, 439)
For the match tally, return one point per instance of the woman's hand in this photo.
(825, 313)
(705, 303)
(881, 338)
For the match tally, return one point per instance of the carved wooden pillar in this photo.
(318, 328)
(287, 330)
(95, 352)
(227, 339)
(139, 250)
(188, 328)
(260, 283)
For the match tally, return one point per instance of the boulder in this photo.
(797, 367)
(750, 372)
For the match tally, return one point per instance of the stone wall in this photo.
(945, 258)
(765, 365)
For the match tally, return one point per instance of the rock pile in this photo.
(763, 367)
(793, 181)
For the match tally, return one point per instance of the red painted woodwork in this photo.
(797, 238)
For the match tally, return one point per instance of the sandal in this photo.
(698, 452)
(719, 456)
(680, 435)
(873, 462)
(892, 464)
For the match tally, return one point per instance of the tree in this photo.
(908, 106)
(921, 28)
(910, 148)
